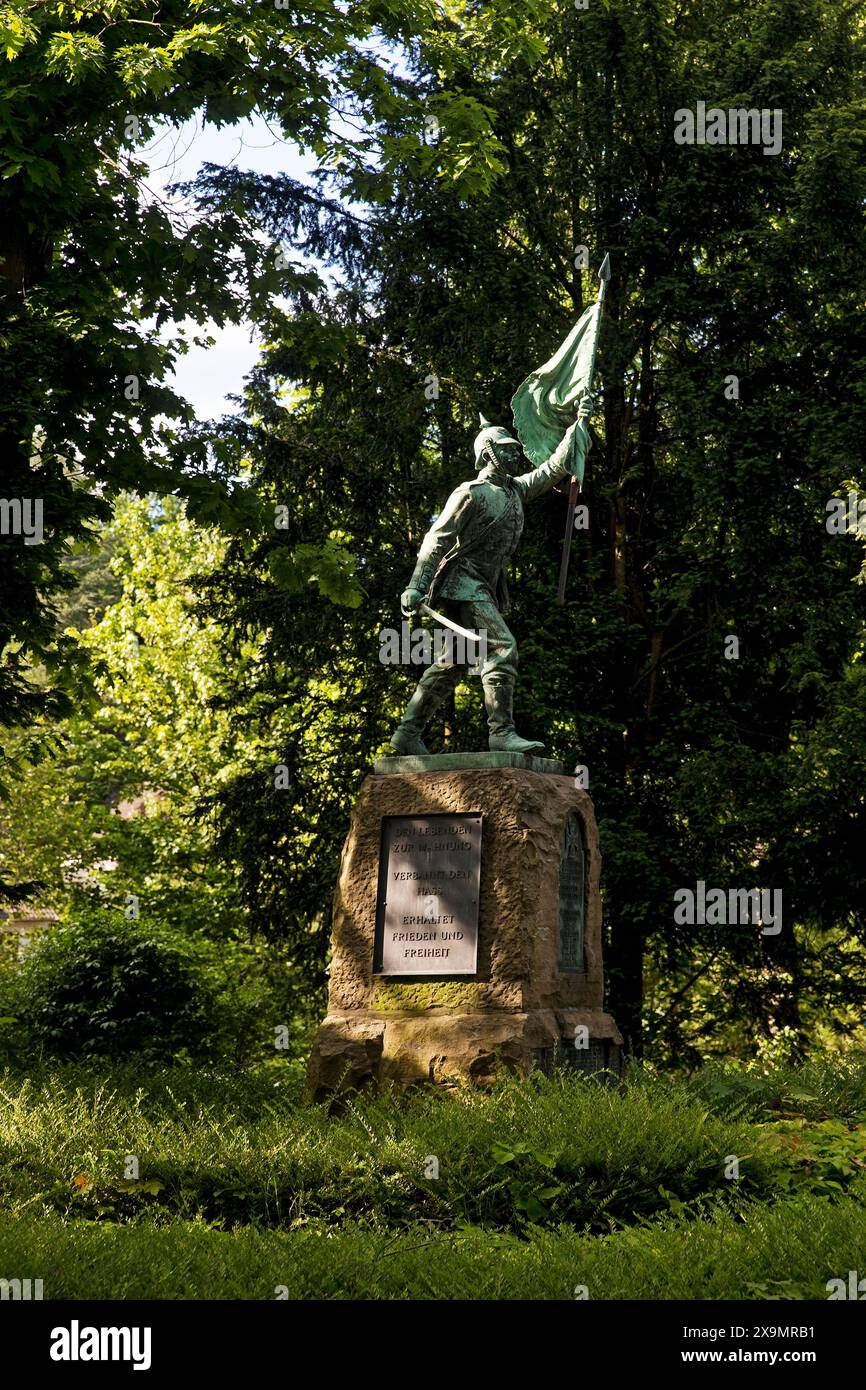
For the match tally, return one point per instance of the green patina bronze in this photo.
(464, 557)
(462, 568)
(467, 762)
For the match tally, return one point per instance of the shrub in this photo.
(826, 1084)
(99, 984)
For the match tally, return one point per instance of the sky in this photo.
(205, 376)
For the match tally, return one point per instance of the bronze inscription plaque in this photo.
(427, 908)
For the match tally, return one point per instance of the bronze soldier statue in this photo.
(462, 562)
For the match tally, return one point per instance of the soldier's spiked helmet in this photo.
(491, 434)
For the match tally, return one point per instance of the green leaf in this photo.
(74, 56)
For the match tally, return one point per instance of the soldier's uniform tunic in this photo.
(464, 557)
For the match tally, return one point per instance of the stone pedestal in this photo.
(537, 990)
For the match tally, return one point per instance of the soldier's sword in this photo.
(574, 486)
(446, 622)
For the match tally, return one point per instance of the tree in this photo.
(93, 264)
(110, 809)
(111, 823)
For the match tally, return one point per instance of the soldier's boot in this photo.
(406, 738)
(499, 703)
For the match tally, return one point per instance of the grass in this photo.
(787, 1251)
(524, 1192)
(234, 1152)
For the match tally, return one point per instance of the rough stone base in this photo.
(521, 1007)
(449, 1048)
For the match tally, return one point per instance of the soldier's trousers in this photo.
(480, 616)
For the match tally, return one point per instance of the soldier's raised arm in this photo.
(547, 475)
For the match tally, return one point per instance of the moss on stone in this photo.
(427, 994)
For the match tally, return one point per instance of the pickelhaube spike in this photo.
(483, 421)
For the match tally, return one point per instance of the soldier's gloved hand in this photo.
(586, 407)
(410, 601)
(579, 439)
(584, 438)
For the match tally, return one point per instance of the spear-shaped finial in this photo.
(603, 277)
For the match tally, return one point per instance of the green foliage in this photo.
(446, 251)
(103, 985)
(93, 264)
(108, 801)
(788, 1252)
(706, 514)
(559, 1151)
(330, 566)
(827, 1157)
(243, 1188)
(828, 1084)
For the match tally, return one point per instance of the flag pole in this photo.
(575, 484)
